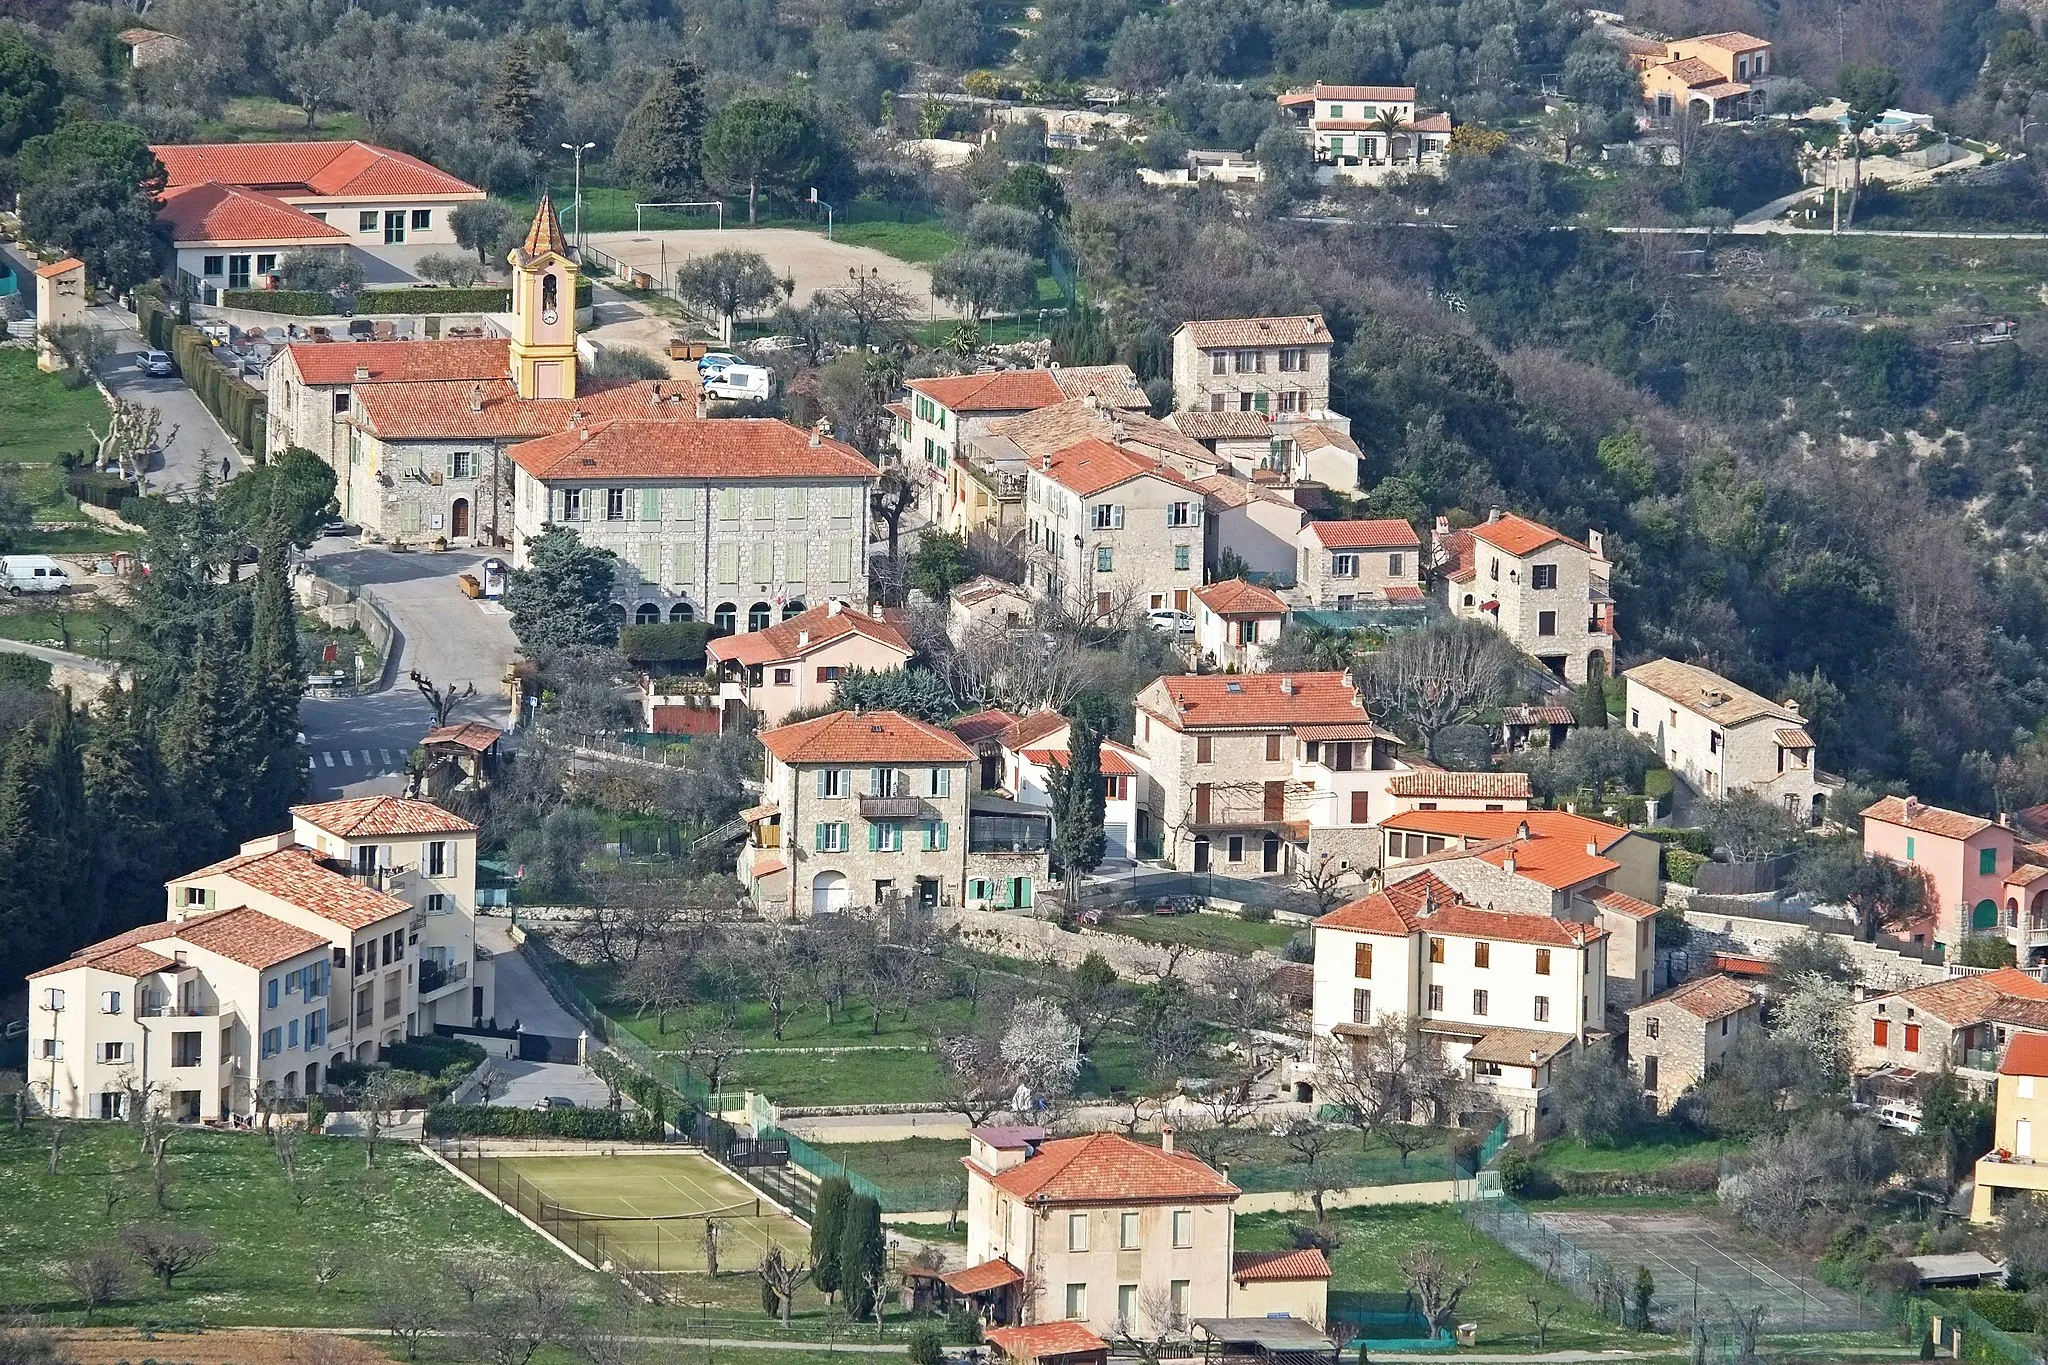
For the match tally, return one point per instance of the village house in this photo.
(1504, 994)
(1963, 1025)
(1262, 774)
(2012, 1166)
(1360, 565)
(147, 46)
(1267, 366)
(235, 207)
(1546, 592)
(1112, 533)
(1242, 442)
(1430, 788)
(1235, 623)
(987, 474)
(1519, 723)
(1675, 1039)
(1722, 738)
(1363, 133)
(353, 930)
(1976, 885)
(1255, 522)
(983, 601)
(1026, 751)
(796, 664)
(1715, 74)
(1544, 862)
(1113, 1236)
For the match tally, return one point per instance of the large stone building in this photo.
(1723, 738)
(1546, 592)
(1270, 366)
(1111, 533)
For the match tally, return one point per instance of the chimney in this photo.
(476, 398)
(1492, 515)
(1443, 527)
(703, 406)
(875, 610)
(816, 440)
(1522, 830)
(1090, 401)
(1913, 808)
(362, 374)
(1508, 863)
(1166, 1138)
(1287, 687)
(1428, 907)
(1792, 705)
(1592, 849)
(654, 395)
(835, 606)
(803, 639)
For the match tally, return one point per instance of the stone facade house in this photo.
(1675, 1039)
(1544, 591)
(985, 601)
(1112, 533)
(1359, 565)
(1964, 1025)
(1723, 738)
(796, 664)
(1716, 73)
(1235, 622)
(1262, 365)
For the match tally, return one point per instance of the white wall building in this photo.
(1112, 533)
(1723, 738)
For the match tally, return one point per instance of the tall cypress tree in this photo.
(659, 145)
(276, 676)
(1078, 803)
(64, 825)
(515, 97)
(27, 937)
(826, 1226)
(1592, 699)
(128, 792)
(862, 1251)
(202, 743)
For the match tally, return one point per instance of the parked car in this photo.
(716, 360)
(555, 1102)
(1169, 621)
(1899, 1116)
(742, 382)
(335, 526)
(34, 573)
(157, 364)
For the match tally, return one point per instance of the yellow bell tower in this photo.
(544, 309)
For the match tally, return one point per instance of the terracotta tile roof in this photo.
(1093, 465)
(1538, 715)
(211, 213)
(899, 410)
(471, 734)
(2026, 874)
(1356, 729)
(1693, 72)
(2026, 1055)
(1495, 824)
(310, 169)
(401, 361)
(1401, 592)
(2026, 1014)
(1315, 436)
(1383, 534)
(135, 37)
(1398, 94)
(1794, 739)
(1235, 597)
(1305, 1263)
(249, 937)
(1706, 693)
(1734, 41)
(1392, 910)
(1212, 426)
(1027, 731)
(1554, 853)
(1738, 964)
(467, 409)
(1113, 385)
(56, 268)
(983, 587)
(1217, 700)
(1519, 1046)
(1001, 391)
(1721, 90)
(132, 961)
(295, 876)
(1431, 123)
(375, 816)
(1708, 998)
(1226, 491)
(983, 725)
(1110, 1168)
(768, 866)
(804, 633)
(1427, 782)
(1046, 1339)
(686, 447)
(864, 737)
(1518, 535)
(1948, 824)
(979, 1279)
(1458, 554)
(1965, 1000)
(1115, 763)
(1305, 330)
(544, 235)
(1542, 861)
(1621, 903)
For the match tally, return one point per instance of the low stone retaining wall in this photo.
(1022, 936)
(1883, 969)
(1358, 1196)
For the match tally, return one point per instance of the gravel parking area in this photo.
(805, 257)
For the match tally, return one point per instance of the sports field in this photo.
(645, 1209)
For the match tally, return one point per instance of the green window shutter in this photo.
(818, 839)
(793, 557)
(846, 781)
(686, 562)
(764, 561)
(845, 835)
(1024, 886)
(1002, 896)
(1258, 402)
(798, 504)
(729, 564)
(874, 838)
(650, 504)
(944, 834)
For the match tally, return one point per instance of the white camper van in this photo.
(35, 573)
(742, 382)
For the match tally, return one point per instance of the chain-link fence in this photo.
(937, 1196)
(670, 1072)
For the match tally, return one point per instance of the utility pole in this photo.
(578, 153)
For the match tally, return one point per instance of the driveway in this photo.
(356, 746)
(520, 994)
(191, 437)
(528, 1083)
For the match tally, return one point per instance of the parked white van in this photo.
(35, 573)
(742, 382)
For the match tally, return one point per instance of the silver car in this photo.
(157, 364)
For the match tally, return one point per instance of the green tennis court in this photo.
(647, 1209)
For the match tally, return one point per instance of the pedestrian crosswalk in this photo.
(363, 762)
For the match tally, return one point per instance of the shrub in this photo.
(464, 1120)
(1256, 914)
(963, 1326)
(454, 272)
(439, 299)
(101, 490)
(316, 1114)
(927, 1344)
(1517, 1171)
(23, 670)
(1691, 840)
(1681, 866)
(298, 303)
(670, 642)
(434, 1055)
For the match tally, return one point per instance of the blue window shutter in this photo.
(821, 781)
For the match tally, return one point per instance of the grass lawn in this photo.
(803, 1026)
(1375, 1240)
(40, 418)
(1217, 933)
(258, 118)
(88, 537)
(914, 1161)
(39, 625)
(1666, 1145)
(403, 1219)
(895, 1077)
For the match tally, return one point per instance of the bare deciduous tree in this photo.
(96, 1278)
(1448, 673)
(470, 1276)
(783, 1272)
(166, 1252)
(978, 1080)
(408, 1309)
(1436, 1287)
(1543, 1308)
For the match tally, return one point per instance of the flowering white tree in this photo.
(1044, 1046)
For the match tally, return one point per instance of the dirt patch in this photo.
(805, 257)
(114, 1345)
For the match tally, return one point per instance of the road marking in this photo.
(312, 762)
(347, 759)
(366, 758)
(385, 754)
(328, 756)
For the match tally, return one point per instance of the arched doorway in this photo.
(682, 611)
(312, 1078)
(725, 620)
(760, 616)
(647, 614)
(1984, 916)
(291, 1085)
(793, 607)
(458, 519)
(828, 893)
(619, 615)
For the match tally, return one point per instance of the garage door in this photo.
(828, 893)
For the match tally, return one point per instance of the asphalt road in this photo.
(356, 746)
(190, 435)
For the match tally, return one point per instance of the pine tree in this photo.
(127, 790)
(27, 937)
(202, 748)
(862, 1251)
(276, 676)
(63, 822)
(1078, 802)
(826, 1226)
(660, 144)
(515, 97)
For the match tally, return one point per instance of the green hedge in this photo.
(154, 317)
(101, 490)
(241, 408)
(670, 642)
(469, 1120)
(298, 303)
(434, 1055)
(2004, 1309)
(1691, 840)
(441, 299)
(1681, 866)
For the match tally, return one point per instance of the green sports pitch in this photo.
(647, 1210)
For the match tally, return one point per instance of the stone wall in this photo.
(1883, 969)
(1021, 936)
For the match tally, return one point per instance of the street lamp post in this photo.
(578, 153)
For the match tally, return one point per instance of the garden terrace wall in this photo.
(991, 931)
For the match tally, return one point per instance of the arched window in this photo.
(760, 616)
(1468, 599)
(619, 612)
(550, 297)
(725, 620)
(1984, 915)
(793, 607)
(647, 614)
(682, 611)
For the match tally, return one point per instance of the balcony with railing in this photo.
(1008, 833)
(1980, 1059)
(438, 976)
(896, 808)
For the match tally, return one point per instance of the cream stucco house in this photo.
(1112, 533)
(797, 664)
(1722, 737)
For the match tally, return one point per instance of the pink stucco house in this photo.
(1968, 861)
(798, 662)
